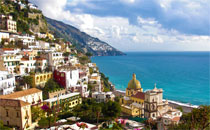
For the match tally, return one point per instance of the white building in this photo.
(41, 63)
(73, 60)
(56, 59)
(8, 24)
(32, 96)
(7, 83)
(95, 79)
(9, 51)
(103, 96)
(41, 35)
(32, 6)
(155, 107)
(11, 61)
(27, 65)
(44, 45)
(27, 39)
(55, 46)
(4, 36)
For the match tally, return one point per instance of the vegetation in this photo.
(84, 59)
(24, 22)
(90, 88)
(66, 54)
(18, 88)
(91, 111)
(28, 80)
(37, 113)
(2, 127)
(91, 70)
(111, 110)
(89, 54)
(51, 116)
(105, 80)
(50, 85)
(198, 119)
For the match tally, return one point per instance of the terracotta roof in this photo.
(139, 95)
(13, 103)
(20, 93)
(176, 119)
(39, 58)
(8, 49)
(24, 59)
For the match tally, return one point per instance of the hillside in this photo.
(82, 40)
(28, 20)
(32, 21)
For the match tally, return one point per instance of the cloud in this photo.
(147, 34)
(128, 1)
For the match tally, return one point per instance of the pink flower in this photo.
(45, 107)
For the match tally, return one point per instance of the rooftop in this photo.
(139, 95)
(176, 119)
(20, 93)
(61, 97)
(13, 103)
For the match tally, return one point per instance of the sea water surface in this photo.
(184, 76)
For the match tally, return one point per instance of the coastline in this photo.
(174, 104)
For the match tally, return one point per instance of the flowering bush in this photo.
(45, 107)
(82, 125)
(121, 121)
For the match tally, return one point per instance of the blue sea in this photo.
(184, 76)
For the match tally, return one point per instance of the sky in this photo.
(137, 25)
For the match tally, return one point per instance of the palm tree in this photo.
(98, 112)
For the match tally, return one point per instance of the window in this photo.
(17, 114)
(153, 115)
(146, 106)
(7, 113)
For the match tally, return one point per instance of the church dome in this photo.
(134, 83)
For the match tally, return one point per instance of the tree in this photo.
(199, 118)
(84, 60)
(97, 110)
(49, 86)
(66, 54)
(37, 113)
(89, 54)
(111, 110)
(90, 88)
(2, 127)
(19, 88)
(28, 80)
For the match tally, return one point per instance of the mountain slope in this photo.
(82, 40)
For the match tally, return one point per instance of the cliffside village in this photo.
(42, 61)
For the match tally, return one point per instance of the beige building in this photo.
(155, 107)
(7, 23)
(39, 79)
(15, 113)
(56, 93)
(32, 96)
(133, 103)
(68, 100)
